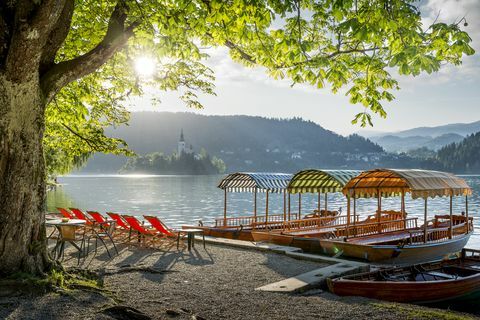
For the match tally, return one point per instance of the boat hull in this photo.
(228, 233)
(393, 254)
(390, 254)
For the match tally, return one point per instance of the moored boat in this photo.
(233, 226)
(449, 280)
(306, 233)
(376, 242)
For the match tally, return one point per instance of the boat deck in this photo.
(381, 238)
(309, 232)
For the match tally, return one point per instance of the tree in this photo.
(66, 66)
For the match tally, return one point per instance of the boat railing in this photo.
(371, 228)
(437, 234)
(309, 223)
(251, 220)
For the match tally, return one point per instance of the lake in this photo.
(180, 200)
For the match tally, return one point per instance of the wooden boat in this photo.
(241, 227)
(380, 238)
(444, 235)
(307, 233)
(451, 280)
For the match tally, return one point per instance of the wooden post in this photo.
(319, 208)
(348, 215)
(299, 206)
(450, 231)
(402, 209)
(225, 208)
(326, 202)
(255, 205)
(354, 208)
(289, 208)
(425, 235)
(284, 205)
(266, 210)
(379, 210)
(466, 213)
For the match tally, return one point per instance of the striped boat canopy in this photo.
(253, 181)
(420, 183)
(320, 181)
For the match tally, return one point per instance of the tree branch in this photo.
(57, 36)
(32, 24)
(92, 144)
(65, 72)
(243, 54)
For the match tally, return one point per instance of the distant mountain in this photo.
(244, 143)
(462, 129)
(394, 143)
(463, 157)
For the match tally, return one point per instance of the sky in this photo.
(451, 95)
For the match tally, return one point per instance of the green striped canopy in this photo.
(320, 181)
(255, 182)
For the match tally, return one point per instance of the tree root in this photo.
(125, 313)
(135, 269)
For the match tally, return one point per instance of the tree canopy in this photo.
(356, 46)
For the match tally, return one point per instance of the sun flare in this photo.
(145, 66)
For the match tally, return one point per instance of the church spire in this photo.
(181, 136)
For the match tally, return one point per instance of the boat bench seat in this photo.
(308, 232)
(386, 237)
(442, 275)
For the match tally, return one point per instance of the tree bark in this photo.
(22, 177)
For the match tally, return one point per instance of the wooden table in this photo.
(190, 237)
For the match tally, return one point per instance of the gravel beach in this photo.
(213, 283)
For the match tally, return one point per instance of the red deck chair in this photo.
(120, 224)
(97, 217)
(66, 213)
(160, 226)
(144, 233)
(119, 220)
(80, 215)
(163, 229)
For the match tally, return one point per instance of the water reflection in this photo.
(187, 199)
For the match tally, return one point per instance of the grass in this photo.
(56, 279)
(417, 312)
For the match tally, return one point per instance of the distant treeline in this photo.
(463, 156)
(158, 163)
(248, 143)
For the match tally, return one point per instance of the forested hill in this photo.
(463, 157)
(243, 142)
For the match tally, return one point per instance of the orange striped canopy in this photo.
(419, 183)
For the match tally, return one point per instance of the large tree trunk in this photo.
(22, 177)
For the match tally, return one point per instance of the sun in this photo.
(145, 66)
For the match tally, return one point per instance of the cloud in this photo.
(233, 73)
(451, 11)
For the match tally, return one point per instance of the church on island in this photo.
(182, 146)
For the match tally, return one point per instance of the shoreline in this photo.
(217, 282)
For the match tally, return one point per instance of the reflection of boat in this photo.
(452, 280)
(377, 241)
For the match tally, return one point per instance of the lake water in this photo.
(180, 200)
